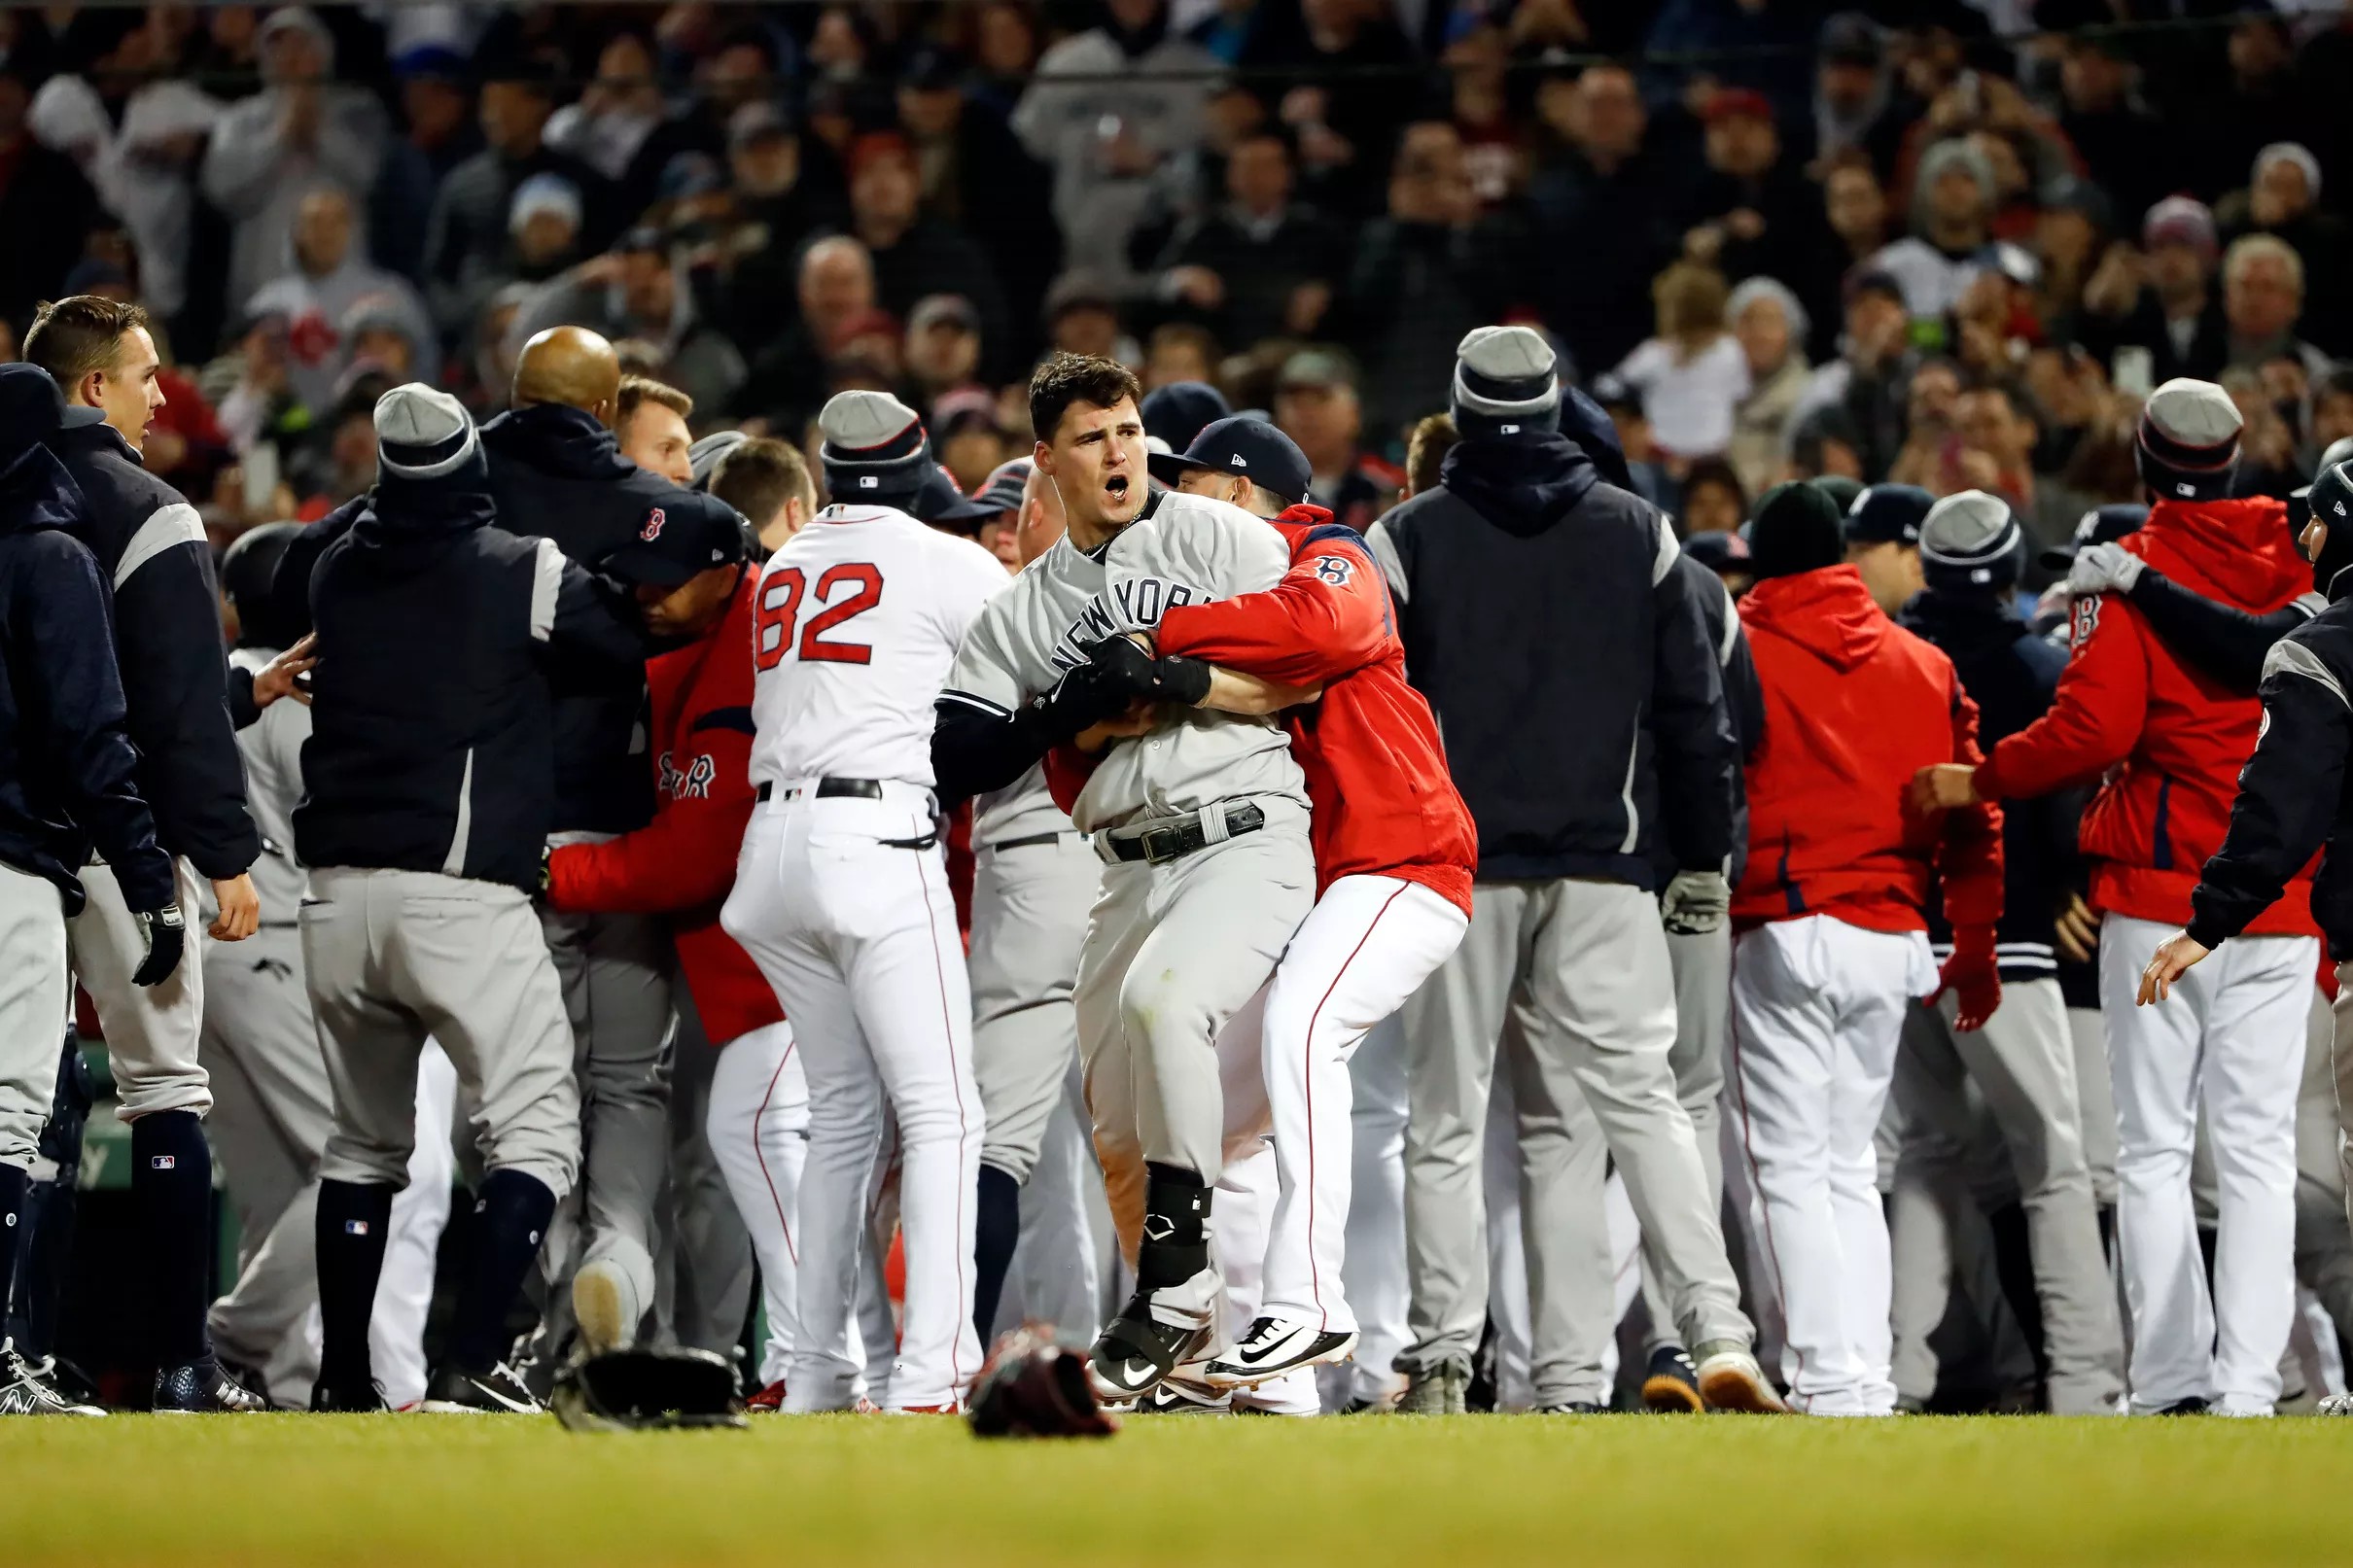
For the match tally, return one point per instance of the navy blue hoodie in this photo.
(1569, 664)
(68, 771)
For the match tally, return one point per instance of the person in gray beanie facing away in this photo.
(2023, 1060)
(431, 774)
(1570, 668)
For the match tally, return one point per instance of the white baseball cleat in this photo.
(2336, 1405)
(1730, 1380)
(1275, 1345)
(605, 1306)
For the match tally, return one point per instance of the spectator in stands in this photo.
(942, 351)
(2282, 199)
(46, 207)
(1693, 373)
(1423, 276)
(1315, 404)
(650, 427)
(1603, 212)
(1854, 228)
(1261, 264)
(780, 202)
(619, 126)
(640, 290)
(437, 132)
(1343, 110)
(1866, 382)
(1133, 97)
(1714, 499)
(1950, 243)
(1854, 94)
(914, 255)
(2263, 299)
(833, 288)
(1082, 317)
(977, 176)
(1771, 327)
(304, 129)
(327, 279)
(468, 248)
(1997, 441)
(1475, 62)
(2161, 299)
(1752, 211)
(2123, 147)
(544, 224)
(1180, 351)
(2226, 121)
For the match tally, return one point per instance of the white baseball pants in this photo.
(2231, 1038)
(758, 1126)
(858, 936)
(1375, 1268)
(1818, 1006)
(1239, 1244)
(1366, 947)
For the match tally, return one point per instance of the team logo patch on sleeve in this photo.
(2085, 622)
(653, 525)
(1336, 570)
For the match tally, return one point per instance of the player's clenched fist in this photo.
(1174, 678)
(1944, 786)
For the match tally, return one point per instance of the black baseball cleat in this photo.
(1573, 1407)
(1176, 1396)
(1137, 1351)
(2184, 1407)
(202, 1388)
(29, 1389)
(1272, 1346)
(499, 1391)
(1671, 1384)
(348, 1399)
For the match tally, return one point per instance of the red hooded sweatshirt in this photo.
(683, 864)
(1854, 707)
(1383, 803)
(2169, 740)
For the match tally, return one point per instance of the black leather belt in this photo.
(1175, 837)
(831, 789)
(1033, 842)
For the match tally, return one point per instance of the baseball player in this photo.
(273, 1107)
(70, 779)
(1524, 540)
(2289, 804)
(152, 546)
(1833, 941)
(841, 895)
(1394, 850)
(2022, 1062)
(430, 776)
(1201, 822)
(1035, 877)
(2170, 742)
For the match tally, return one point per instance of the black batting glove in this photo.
(1084, 696)
(166, 935)
(1174, 679)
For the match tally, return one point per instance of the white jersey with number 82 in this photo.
(858, 622)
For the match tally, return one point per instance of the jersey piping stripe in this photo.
(970, 701)
(1314, 1273)
(963, 1124)
(759, 1151)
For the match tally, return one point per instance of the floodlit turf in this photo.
(420, 1491)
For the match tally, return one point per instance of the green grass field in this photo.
(420, 1491)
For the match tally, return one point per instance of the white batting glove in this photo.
(1695, 902)
(2104, 569)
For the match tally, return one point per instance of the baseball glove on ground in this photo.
(642, 1390)
(1034, 1388)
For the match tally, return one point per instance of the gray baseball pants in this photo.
(1702, 970)
(1590, 962)
(150, 1030)
(2023, 1062)
(614, 971)
(703, 1257)
(1029, 909)
(1172, 952)
(394, 957)
(35, 997)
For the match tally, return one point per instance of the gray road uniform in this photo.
(1180, 941)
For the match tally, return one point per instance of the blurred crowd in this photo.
(1941, 243)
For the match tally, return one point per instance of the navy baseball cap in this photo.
(1888, 514)
(677, 540)
(1005, 487)
(1250, 448)
(1177, 412)
(33, 408)
(2101, 525)
(940, 502)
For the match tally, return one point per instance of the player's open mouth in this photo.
(1116, 487)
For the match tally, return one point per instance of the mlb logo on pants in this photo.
(355, 1227)
(163, 1161)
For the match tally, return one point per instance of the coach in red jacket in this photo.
(2169, 742)
(1833, 940)
(682, 864)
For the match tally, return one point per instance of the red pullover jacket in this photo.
(1385, 804)
(2170, 740)
(1854, 707)
(683, 862)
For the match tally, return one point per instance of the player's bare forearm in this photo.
(1253, 696)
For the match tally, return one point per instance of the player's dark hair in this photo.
(760, 475)
(78, 335)
(1067, 378)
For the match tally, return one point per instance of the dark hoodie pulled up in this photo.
(1854, 707)
(1569, 665)
(68, 771)
(441, 639)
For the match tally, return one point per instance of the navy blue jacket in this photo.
(2013, 676)
(1569, 665)
(151, 547)
(431, 744)
(68, 771)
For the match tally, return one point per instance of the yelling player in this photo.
(841, 895)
